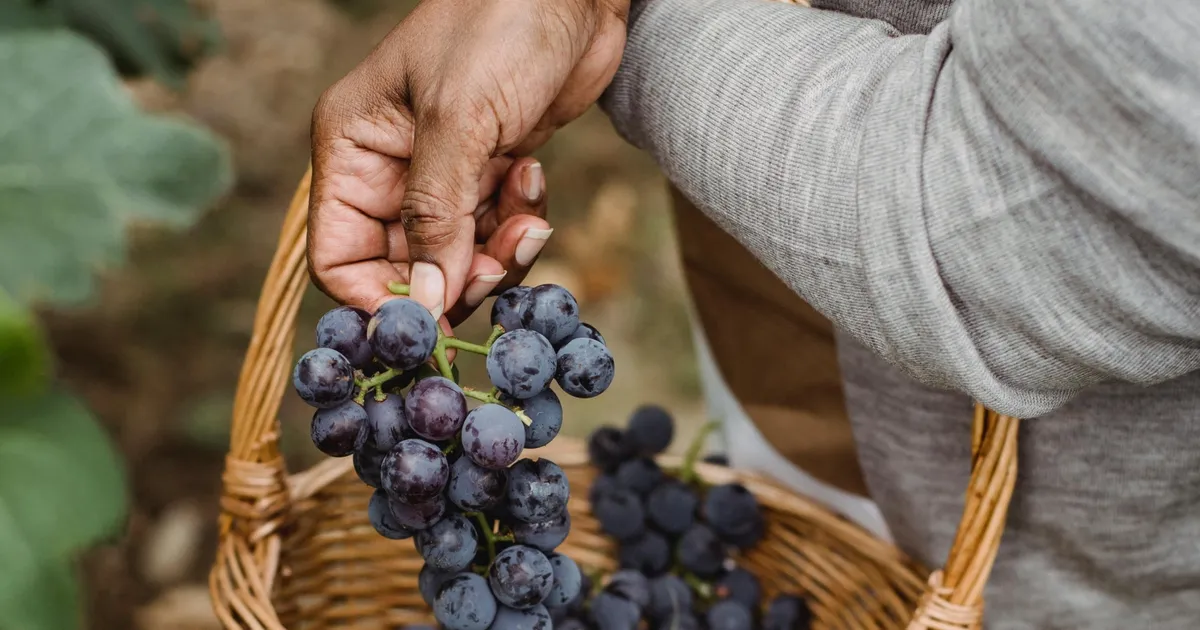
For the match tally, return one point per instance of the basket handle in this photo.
(955, 597)
(255, 492)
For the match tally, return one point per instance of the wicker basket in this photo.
(297, 551)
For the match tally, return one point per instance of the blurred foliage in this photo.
(79, 163)
(157, 38)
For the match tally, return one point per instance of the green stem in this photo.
(484, 397)
(488, 536)
(702, 588)
(375, 382)
(439, 355)
(459, 344)
(398, 288)
(687, 472)
(497, 330)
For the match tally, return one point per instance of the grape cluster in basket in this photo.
(449, 476)
(678, 539)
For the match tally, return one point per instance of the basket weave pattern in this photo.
(297, 552)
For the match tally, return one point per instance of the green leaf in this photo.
(61, 482)
(80, 161)
(159, 38)
(27, 14)
(38, 596)
(22, 353)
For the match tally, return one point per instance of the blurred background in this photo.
(154, 346)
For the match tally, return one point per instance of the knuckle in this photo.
(428, 215)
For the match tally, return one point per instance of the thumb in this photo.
(440, 196)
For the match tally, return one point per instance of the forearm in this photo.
(935, 196)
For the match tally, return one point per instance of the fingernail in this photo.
(427, 285)
(533, 182)
(530, 245)
(481, 287)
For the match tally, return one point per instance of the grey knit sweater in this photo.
(997, 200)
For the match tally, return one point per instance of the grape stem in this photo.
(459, 344)
(439, 355)
(702, 588)
(378, 379)
(687, 472)
(398, 288)
(484, 397)
(488, 535)
(497, 330)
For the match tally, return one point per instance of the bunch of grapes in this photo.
(445, 460)
(678, 539)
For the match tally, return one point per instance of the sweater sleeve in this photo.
(1008, 206)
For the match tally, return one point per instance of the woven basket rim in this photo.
(259, 497)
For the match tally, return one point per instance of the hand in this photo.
(408, 144)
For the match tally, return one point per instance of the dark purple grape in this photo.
(787, 612)
(324, 378)
(640, 475)
(545, 414)
(671, 507)
(728, 614)
(567, 581)
(620, 514)
(607, 448)
(577, 606)
(464, 602)
(717, 459)
(648, 554)
(521, 363)
(418, 516)
(380, 515)
(700, 551)
(493, 437)
(415, 471)
(741, 586)
(535, 618)
(669, 595)
(402, 334)
(552, 311)
(387, 425)
(682, 621)
(473, 488)
(436, 408)
(429, 581)
(650, 430)
(630, 585)
(339, 430)
(584, 331)
(449, 545)
(537, 490)
(545, 536)
(521, 577)
(585, 368)
(368, 465)
(731, 511)
(344, 329)
(613, 612)
(567, 623)
(602, 485)
(508, 308)
(749, 536)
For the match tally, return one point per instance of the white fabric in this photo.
(747, 449)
